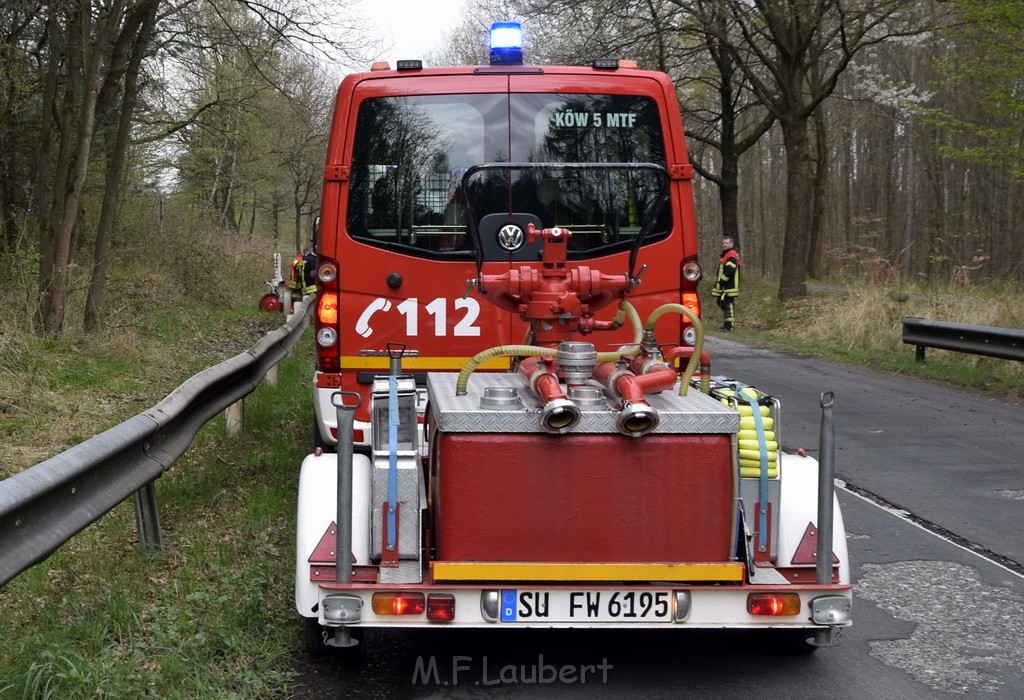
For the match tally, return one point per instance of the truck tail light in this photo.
(327, 309)
(398, 603)
(440, 607)
(691, 301)
(689, 276)
(691, 270)
(327, 272)
(773, 604)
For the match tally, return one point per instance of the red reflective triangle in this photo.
(808, 547)
(323, 553)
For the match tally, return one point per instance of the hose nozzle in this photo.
(636, 419)
(559, 416)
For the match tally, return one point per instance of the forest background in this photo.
(873, 140)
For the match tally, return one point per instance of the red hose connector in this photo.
(686, 352)
(637, 417)
(557, 414)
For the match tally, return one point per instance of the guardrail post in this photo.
(272, 375)
(147, 518)
(233, 418)
(919, 353)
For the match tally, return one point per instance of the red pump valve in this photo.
(556, 300)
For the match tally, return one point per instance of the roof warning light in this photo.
(506, 43)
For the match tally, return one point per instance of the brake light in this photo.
(773, 604)
(441, 607)
(398, 603)
(327, 309)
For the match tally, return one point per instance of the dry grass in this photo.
(853, 321)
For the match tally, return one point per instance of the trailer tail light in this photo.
(440, 607)
(773, 604)
(398, 603)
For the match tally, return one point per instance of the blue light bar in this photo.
(506, 43)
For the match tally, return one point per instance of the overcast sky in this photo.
(411, 28)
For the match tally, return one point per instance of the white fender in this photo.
(799, 506)
(318, 497)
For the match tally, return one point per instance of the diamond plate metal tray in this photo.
(503, 403)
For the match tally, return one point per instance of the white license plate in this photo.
(528, 605)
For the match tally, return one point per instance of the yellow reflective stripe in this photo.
(589, 571)
(423, 363)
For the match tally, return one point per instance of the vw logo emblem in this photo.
(510, 237)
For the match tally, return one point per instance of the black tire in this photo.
(313, 636)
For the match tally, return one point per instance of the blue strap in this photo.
(393, 458)
(762, 486)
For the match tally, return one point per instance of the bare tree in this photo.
(733, 120)
(91, 56)
(793, 53)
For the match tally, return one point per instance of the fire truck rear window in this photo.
(410, 154)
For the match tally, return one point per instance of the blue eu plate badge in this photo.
(509, 602)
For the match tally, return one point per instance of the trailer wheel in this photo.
(314, 635)
(786, 642)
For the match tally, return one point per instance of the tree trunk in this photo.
(54, 302)
(799, 191)
(115, 167)
(816, 246)
(298, 220)
(728, 196)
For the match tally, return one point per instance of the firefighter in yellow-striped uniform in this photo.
(303, 275)
(727, 283)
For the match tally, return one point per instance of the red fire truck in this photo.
(516, 423)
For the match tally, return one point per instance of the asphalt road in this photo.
(933, 618)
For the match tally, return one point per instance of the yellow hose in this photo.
(625, 310)
(698, 346)
(497, 351)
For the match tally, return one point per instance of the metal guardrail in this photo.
(44, 506)
(1006, 343)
